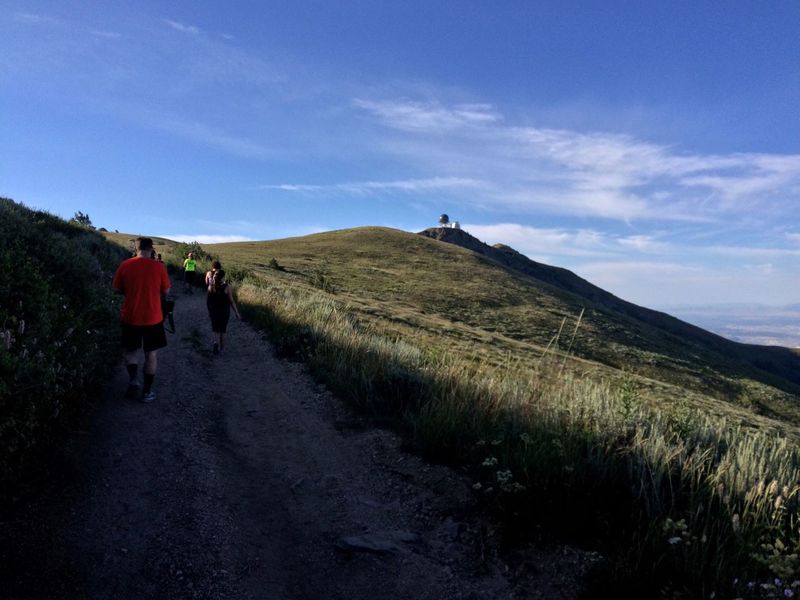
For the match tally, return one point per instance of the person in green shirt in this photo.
(189, 268)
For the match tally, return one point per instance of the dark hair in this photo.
(143, 244)
(219, 277)
(216, 265)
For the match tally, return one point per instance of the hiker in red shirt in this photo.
(142, 281)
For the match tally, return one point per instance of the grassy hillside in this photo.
(686, 494)
(454, 299)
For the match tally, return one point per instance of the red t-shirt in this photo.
(142, 281)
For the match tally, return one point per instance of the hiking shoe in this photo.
(133, 391)
(148, 397)
(215, 349)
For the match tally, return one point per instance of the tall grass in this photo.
(683, 503)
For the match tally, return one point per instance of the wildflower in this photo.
(21, 327)
(788, 593)
(489, 462)
(674, 540)
(496, 442)
(504, 476)
(777, 582)
(735, 522)
(477, 486)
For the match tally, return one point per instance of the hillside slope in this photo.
(660, 332)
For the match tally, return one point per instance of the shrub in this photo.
(59, 328)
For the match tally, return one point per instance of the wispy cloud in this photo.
(112, 35)
(545, 244)
(663, 284)
(753, 252)
(415, 116)
(195, 131)
(60, 24)
(35, 19)
(366, 187)
(182, 27)
(592, 174)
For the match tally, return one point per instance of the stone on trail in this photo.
(387, 542)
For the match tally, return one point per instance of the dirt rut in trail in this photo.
(245, 479)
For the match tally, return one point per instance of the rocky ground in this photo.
(246, 479)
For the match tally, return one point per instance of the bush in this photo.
(58, 334)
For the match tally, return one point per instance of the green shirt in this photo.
(190, 264)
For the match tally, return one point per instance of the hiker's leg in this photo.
(132, 364)
(221, 340)
(150, 364)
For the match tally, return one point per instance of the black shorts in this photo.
(149, 337)
(188, 277)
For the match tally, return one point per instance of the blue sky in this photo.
(651, 147)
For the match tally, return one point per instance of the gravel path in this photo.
(245, 479)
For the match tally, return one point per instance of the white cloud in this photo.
(183, 28)
(752, 252)
(574, 173)
(793, 237)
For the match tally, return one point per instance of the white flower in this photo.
(674, 540)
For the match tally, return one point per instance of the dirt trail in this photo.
(245, 479)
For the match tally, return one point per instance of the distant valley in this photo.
(746, 323)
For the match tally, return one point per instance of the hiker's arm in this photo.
(229, 292)
(165, 282)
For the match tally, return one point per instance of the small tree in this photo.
(82, 219)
